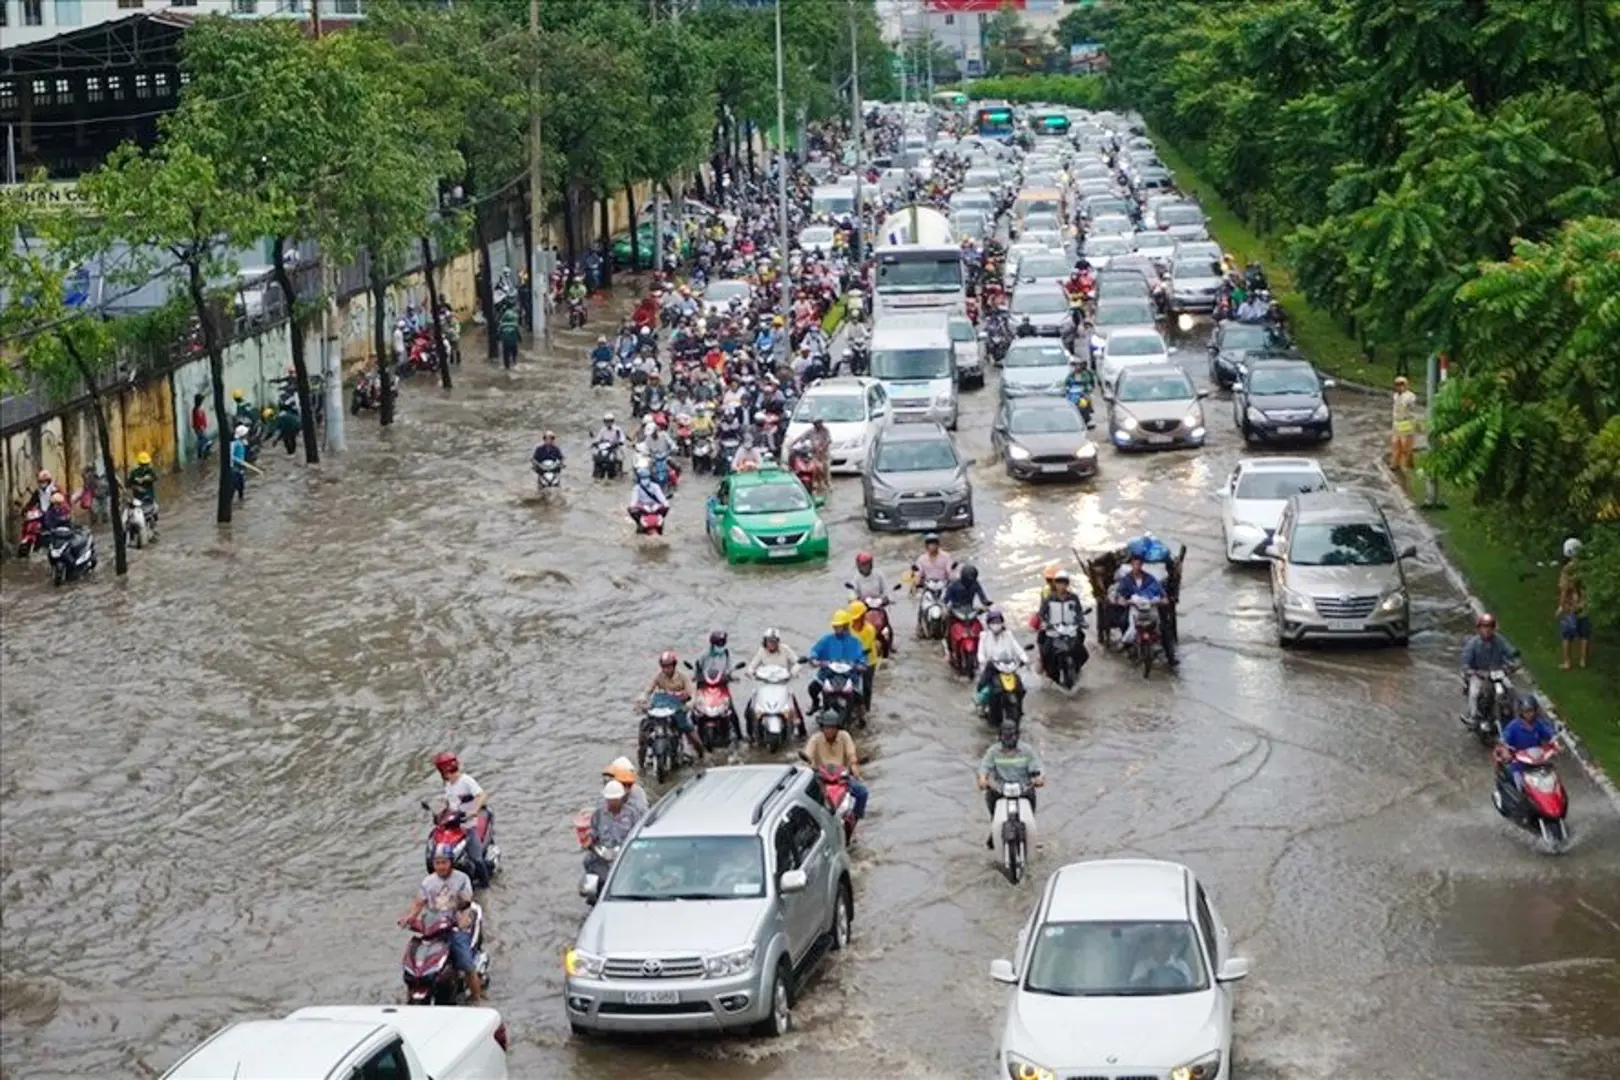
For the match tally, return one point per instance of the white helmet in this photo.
(240, 432)
(1572, 548)
(613, 790)
(607, 418)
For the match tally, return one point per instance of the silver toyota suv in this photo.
(1335, 573)
(719, 905)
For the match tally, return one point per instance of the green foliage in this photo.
(1076, 91)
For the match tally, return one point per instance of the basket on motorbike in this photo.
(1104, 569)
(582, 828)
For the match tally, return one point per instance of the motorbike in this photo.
(877, 617)
(1538, 802)
(607, 460)
(450, 830)
(803, 465)
(140, 521)
(729, 444)
(599, 860)
(931, 609)
(1012, 830)
(1006, 700)
(835, 786)
(713, 708)
(683, 435)
(857, 358)
(962, 639)
(576, 314)
(1144, 616)
(601, 372)
(367, 393)
(430, 977)
(1080, 399)
(1495, 709)
(663, 743)
(841, 692)
(548, 473)
(650, 521)
(665, 473)
(638, 401)
(33, 526)
(1064, 657)
(72, 553)
(703, 451)
(772, 712)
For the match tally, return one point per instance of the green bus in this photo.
(1051, 123)
(954, 100)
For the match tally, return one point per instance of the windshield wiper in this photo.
(637, 896)
(714, 896)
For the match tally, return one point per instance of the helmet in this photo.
(770, 634)
(1062, 575)
(143, 458)
(44, 476)
(445, 852)
(931, 538)
(446, 762)
(1050, 573)
(856, 610)
(994, 615)
(240, 432)
(863, 560)
(607, 417)
(1527, 702)
(237, 395)
(718, 639)
(548, 436)
(1485, 619)
(621, 770)
(613, 790)
(601, 339)
(969, 574)
(1009, 733)
(644, 474)
(840, 619)
(1572, 548)
(667, 658)
(778, 321)
(829, 718)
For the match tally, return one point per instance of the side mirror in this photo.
(1329, 384)
(1202, 394)
(1172, 350)
(1002, 971)
(589, 886)
(792, 881)
(1271, 551)
(818, 501)
(1409, 551)
(1235, 968)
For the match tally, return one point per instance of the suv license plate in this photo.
(921, 524)
(1346, 624)
(1293, 430)
(1158, 440)
(652, 997)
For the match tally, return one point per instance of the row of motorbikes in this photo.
(430, 976)
(1536, 800)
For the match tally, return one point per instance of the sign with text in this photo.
(60, 195)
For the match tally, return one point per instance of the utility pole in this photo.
(781, 177)
(855, 129)
(657, 185)
(537, 221)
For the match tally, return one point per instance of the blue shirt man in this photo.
(1526, 731)
(838, 647)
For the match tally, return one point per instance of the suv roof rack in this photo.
(770, 796)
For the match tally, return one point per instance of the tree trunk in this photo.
(295, 332)
(216, 373)
(486, 288)
(439, 350)
(103, 436)
(605, 241)
(530, 232)
(748, 136)
(635, 238)
(571, 225)
(379, 341)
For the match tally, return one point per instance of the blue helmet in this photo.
(643, 473)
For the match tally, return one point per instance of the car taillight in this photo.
(500, 1036)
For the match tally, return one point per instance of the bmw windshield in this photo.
(1116, 959)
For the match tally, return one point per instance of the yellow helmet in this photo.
(856, 610)
(143, 458)
(268, 413)
(840, 618)
(237, 395)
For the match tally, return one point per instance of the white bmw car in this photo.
(1253, 499)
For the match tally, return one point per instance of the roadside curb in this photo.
(1432, 536)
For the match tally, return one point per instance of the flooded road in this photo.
(210, 774)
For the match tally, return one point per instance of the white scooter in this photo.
(1012, 830)
(140, 522)
(773, 710)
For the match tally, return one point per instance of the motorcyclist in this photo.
(966, 591)
(646, 495)
(997, 645)
(1483, 652)
(715, 664)
(817, 442)
(576, 291)
(1082, 380)
(611, 825)
(933, 564)
(867, 635)
(1060, 608)
(609, 432)
(603, 352)
(868, 583)
(41, 495)
(548, 450)
(1527, 730)
(142, 479)
(838, 647)
(447, 890)
(836, 747)
(772, 653)
(463, 795)
(1048, 577)
(1138, 582)
(1009, 760)
(58, 515)
(747, 457)
(1254, 309)
(245, 412)
(671, 682)
(624, 771)
(655, 441)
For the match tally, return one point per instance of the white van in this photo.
(833, 200)
(344, 1042)
(912, 356)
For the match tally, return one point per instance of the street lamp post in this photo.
(856, 125)
(781, 174)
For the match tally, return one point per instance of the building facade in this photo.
(24, 22)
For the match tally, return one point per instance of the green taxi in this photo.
(765, 515)
(622, 250)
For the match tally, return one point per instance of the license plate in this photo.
(1294, 430)
(1054, 468)
(1159, 440)
(781, 552)
(652, 997)
(919, 524)
(1346, 624)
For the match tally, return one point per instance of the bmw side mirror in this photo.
(1002, 971)
(1235, 968)
(792, 881)
(589, 886)
(1409, 551)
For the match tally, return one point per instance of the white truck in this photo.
(355, 1042)
(919, 264)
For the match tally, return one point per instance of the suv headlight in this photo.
(735, 962)
(1393, 602)
(579, 962)
(1207, 1067)
(1017, 453)
(1087, 451)
(1021, 1068)
(1298, 602)
(942, 399)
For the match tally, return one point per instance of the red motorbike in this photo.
(649, 521)
(33, 526)
(423, 356)
(713, 709)
(962, 639)
(430, 977)
(803, 465)
(450, 830)
(1537, 801)
(835, 786)
(877, 617)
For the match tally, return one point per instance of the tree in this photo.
(65, 349)
(176, 211)
(1004, 32)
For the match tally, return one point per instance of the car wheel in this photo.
(843, 920)
(780, 1020)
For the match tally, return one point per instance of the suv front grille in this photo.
(635, 967)
(1345, 607)
(922, 508)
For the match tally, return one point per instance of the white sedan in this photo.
(817, 238)
(1254, 497)
(1124, 970)
(1130, 348)
(718, 296)
(853, 408)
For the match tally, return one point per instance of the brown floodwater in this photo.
(210, 771)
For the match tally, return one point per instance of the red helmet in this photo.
(864, 559)
(446, 762)
(1485, 619)
(667, 658)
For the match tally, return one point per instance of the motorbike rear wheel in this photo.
(58, 574)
